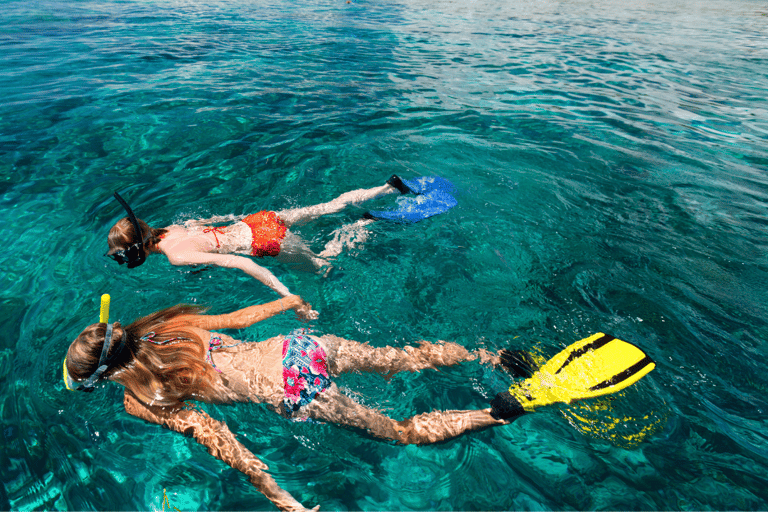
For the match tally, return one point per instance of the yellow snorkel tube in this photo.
(103, 318)
(104, 310)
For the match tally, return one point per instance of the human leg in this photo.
(295, 253)
(334, 407)
(294, 250)
(346, 236)
(308, 213)
(347, 356)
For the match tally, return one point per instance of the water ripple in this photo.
(610, 162)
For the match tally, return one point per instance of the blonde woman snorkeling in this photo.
(262, 234)
(176, 355)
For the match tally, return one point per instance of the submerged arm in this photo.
(220, 441)
(247, 265)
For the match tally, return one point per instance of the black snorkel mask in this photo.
(135, 254)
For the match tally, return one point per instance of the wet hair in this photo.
(165, 371)
(123, 234)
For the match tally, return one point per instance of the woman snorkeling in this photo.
(175, 355)
(261, 234)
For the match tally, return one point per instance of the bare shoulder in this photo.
(175, 229)
(195, 323)
(174, 233)
(183, 247)
(156, 414)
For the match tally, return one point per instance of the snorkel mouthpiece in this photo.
(135, 254)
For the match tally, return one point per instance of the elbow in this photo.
(231, 261)
(176, 262)
(238, 323)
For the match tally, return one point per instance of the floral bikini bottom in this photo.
(305, 370)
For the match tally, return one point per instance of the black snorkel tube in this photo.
(135, 254)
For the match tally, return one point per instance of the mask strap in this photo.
(103, 318)
(103, 363)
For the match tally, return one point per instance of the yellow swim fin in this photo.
(595, 366)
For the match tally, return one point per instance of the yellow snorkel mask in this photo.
(88, 385)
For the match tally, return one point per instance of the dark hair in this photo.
(165, 371)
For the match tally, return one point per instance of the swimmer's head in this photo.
(130, 237)
(125, 245)
(92, 357)
(159, 358)
(132, 251)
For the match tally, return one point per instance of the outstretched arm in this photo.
(219, 440)
(245, 317)
(247, 265)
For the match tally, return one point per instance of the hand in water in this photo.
(306, 313)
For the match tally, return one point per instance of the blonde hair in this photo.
(163, 368)
(123, 234)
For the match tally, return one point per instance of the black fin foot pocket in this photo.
(396, 182)
(505, 407)
(518, 362)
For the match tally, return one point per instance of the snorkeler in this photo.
(174, 355)
(267, 233)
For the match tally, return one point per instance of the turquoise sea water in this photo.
(611, 160)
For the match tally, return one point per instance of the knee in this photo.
(405, 433)
(418, 430)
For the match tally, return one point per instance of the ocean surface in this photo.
(611, 166)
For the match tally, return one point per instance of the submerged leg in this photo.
(432, 427)
(346, 236)
(347, 356)
(295, 252)
(301, 215)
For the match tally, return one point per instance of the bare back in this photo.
(232, 239)
(251, 371)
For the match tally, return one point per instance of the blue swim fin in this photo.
(433, 197)
(425, 184)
